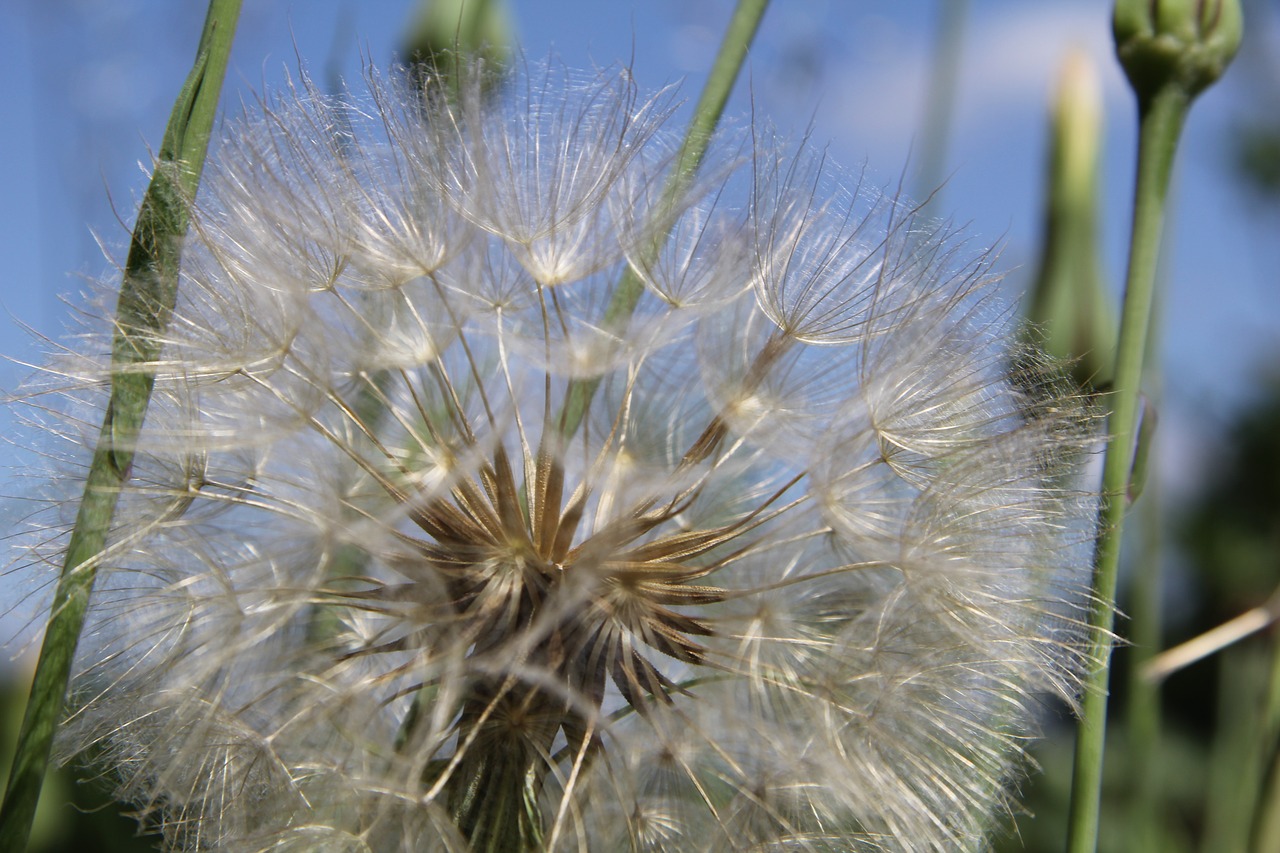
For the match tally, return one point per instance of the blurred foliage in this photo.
(1233, 533)
(1257, 154)
(1043, 824)
(1254, 142)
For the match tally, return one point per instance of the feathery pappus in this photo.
(505, 488)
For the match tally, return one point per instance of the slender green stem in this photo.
(1145, 762)
(706, 115)
(1161, 117)
(146, 300)
(940, 101)
(1144, 768)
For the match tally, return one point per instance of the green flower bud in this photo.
(1069, 303)
(1183, 43)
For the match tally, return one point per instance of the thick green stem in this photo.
(1161, 117)
(147, 297)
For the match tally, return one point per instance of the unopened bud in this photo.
(1183, 43)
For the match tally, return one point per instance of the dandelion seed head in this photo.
(496, 497)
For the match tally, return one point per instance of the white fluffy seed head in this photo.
(491, 498)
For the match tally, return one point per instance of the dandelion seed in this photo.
(795, 581)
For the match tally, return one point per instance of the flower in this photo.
(494, 496)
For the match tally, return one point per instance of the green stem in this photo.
(1161, 117)
(706, 115)
(147, 296)
(1144, 767)
(940, 100)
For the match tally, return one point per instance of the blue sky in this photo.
(88, 87)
